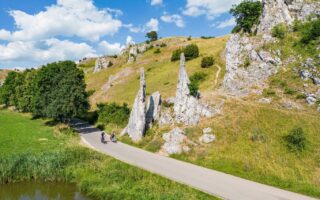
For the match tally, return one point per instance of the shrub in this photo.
(191, 51)
(207, 37)
(189, 38)
(163, 44)
(296, 140)
(289, 91)
(258, 136)
(310, 31)
(176, 54)
(195, 81)
(157, 51)
(246, 63)
(268, 92)
(247, 14)
(301, 96)
(112, 113)
(207, 62)
(279, 31)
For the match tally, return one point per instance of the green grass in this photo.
(23, 158)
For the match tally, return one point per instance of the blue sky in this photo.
(33, 33)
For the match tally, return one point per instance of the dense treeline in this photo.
(56, 90)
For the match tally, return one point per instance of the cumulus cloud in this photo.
(156, 2)
(66, 18)
(132, 28)
(152, 25)
(110, 49)
(32, 54)
(209, 8)
(129, 40)
(226, 23)
(177, 19)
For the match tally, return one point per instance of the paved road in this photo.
(210, 181)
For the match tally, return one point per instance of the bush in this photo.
(157, 51)
(246, 63)
(189, 38)
(207, 62)
(112, 113)
(258, 136)
(176, 54)
(207, 37)
(279, 31)
(289, 91)
(195, 81)
(310, 31)
(191, 51)
(296, 140)
(163, 45)
(247, 14)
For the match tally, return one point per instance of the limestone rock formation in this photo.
(137, 121)
(207, 138)
(135, 51)
(285, 11)
(309, 70)
(175, 142)
(102, 63)
(153, 108)
(246, 66)
(187, 109)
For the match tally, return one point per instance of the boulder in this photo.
(166, 118)
(207, 138)
(207, 130)
(311, 99)
(102, 63)
(153, 108)
(174, 142)
(265, 100)
(137, 121)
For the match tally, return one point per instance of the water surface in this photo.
(40, 191)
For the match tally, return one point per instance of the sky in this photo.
(34, 33)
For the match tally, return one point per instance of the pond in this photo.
(40, 191)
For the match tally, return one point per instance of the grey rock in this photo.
(305, 75)
(311, 99)
(153, 108)
(207, 138)
(136, 51)
(166, 118)
(239, 79)
(101, 63)
(290, 105)
(137, 121)
(187, 109)
(316, 80)
(207, 130)
(174, 142)
(265, 100)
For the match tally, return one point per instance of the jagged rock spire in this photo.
(137, 121)
(187, 108)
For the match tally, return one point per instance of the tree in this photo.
(112, 113)
(8, 89)
(191, 51)
(60, 91)
(246, 14)
(152, 35)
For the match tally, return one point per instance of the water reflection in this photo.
(40, 191)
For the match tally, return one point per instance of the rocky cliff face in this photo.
(246, 66)
(102, 63)
(137, 121)
(187, 109)
(135, 51)
(284, 11)
(153, 108)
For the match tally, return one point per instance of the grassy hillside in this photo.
(266, 160)
(161, 73)
(30, 150)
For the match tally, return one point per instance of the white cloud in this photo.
(152, 25)
(156, 2)
(31, 54)
(177, 19)
(132, 28)
(129, 40)
(226, 23)
(110, 49)
(67, 18)
(210, 8)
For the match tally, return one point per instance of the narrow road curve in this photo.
(210, 181)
